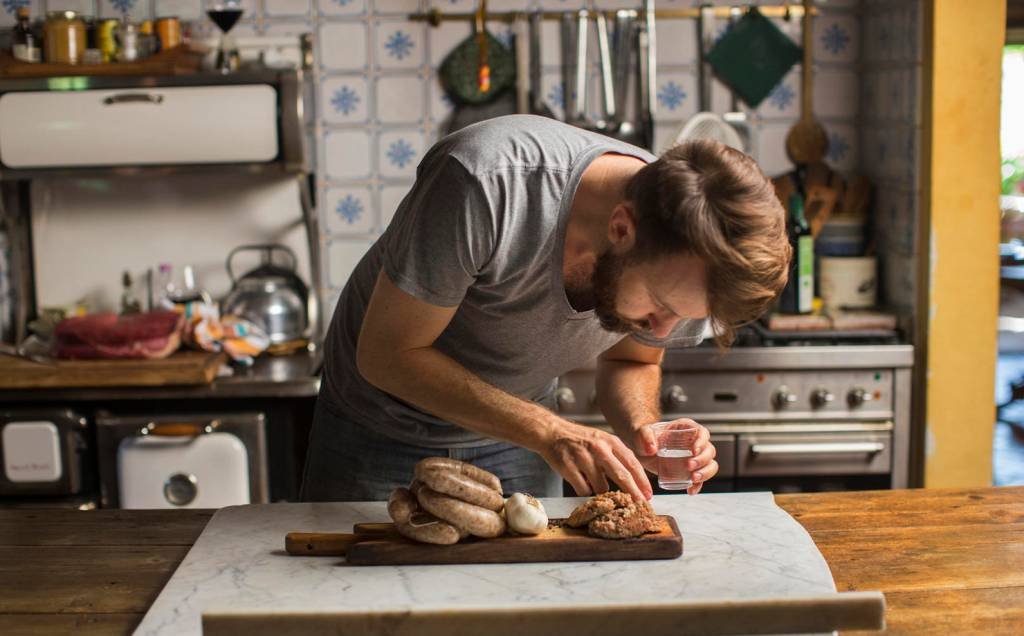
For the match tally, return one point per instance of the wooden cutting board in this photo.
(181, 368)
(380, 544)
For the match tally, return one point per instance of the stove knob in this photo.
(858, 396)
(565, 398)
(783, 398)
(821, 397)
(674, 398)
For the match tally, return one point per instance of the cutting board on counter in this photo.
(181, 368)
(380, 544)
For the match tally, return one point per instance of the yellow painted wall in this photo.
(960, 187)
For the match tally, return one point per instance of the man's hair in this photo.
(707, 199)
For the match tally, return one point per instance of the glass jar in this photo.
(64, 37)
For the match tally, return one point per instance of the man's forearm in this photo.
(437, 384)
(628, 395)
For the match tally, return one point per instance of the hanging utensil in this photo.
(484, 69)
(609, 116)
(537, 104)
(568, 30)
(807, 141)
(522, 49)
(624, 45)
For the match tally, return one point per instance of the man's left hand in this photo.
(702, 465)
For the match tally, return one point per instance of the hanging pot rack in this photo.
(434, 17)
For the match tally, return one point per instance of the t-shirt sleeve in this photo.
(688, 333)
(442, 234)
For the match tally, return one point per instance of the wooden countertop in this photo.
(948, 561)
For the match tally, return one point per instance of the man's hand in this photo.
(588, 458)
(702, 465)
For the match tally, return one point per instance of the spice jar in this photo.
(64, 37)
(169, 31)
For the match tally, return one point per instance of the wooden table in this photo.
(949, 561)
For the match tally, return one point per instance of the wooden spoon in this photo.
(807, 142)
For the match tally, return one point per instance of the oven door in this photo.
(793, 454)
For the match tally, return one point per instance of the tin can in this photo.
(106, 39)
(168, 29)
(64, 37)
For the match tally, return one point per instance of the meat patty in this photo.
(597, 506)
(615, 515)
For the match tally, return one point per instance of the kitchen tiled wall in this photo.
(890, 139)
(379, 104)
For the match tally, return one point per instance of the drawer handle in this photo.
(833, 448)
(179, 429)
(134, 98)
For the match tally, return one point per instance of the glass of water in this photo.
(675, 448)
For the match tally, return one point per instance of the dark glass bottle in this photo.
(25, 45)
(798, 295)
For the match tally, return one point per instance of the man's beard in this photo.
(604, 288)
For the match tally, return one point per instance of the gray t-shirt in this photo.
(483, 229)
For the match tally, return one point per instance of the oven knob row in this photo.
(820, 398)
(858, 396)
(674, 398)
(783, 397)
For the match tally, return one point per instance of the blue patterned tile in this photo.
(9, 10)
(399, 45)
(350, 211)
(138, 9)
(344, 100)
(390, 197)
(341, 7)
(399, 152)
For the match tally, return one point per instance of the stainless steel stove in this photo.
(794, 418)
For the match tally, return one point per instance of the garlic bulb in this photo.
(525, 514)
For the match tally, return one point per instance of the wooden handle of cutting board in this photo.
(335, 543)
(321, 543)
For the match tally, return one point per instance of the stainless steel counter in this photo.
(294, 376)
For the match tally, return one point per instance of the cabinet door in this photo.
(139, 126)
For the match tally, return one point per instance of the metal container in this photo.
(271, 296)
(128, 38)
(64, 37)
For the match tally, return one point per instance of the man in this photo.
(525, 249)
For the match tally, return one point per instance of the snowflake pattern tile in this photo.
(835, 39)
(12, 6)
(345, 100)
(400, 153)
(557, 95)
(399, 45)
(671, 95)
(781, 96)
(124, 6)
(350, 209)
(837, 147)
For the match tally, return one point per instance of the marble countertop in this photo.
(737, 548)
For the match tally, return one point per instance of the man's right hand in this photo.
(589, 458)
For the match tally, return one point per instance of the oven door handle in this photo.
(178, 429)
(828, 448)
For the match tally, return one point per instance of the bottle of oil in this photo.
(798, 295)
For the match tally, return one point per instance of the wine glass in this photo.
(225, 14)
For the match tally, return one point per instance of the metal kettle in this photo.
(271, 296)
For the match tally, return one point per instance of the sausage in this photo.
(454, 484)
(475, 473)
(428, 529)
(470, 518)
(401, 505)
